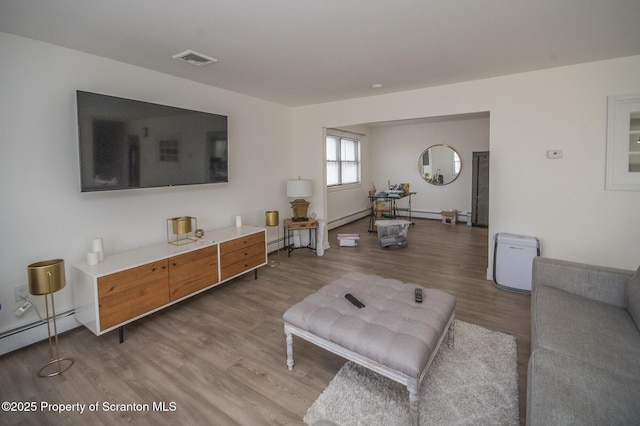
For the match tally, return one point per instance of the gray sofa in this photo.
(585, 345)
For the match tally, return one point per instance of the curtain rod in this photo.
(345, 131)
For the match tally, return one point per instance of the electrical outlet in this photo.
(24, 308)
(21, 293)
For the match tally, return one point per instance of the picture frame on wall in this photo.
(623, 143)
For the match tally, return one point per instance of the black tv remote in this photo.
(353, 300)
(418, 295)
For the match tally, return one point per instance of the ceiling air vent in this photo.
(194, 58)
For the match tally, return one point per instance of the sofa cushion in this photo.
(599, 283)
(602, 335)
(563, 391)
(633, 295)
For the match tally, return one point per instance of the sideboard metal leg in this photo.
(121, 333)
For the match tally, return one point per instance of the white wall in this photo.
(44, 215)
(396, 150)
(562, 202)
(390, 153)
(345, 203)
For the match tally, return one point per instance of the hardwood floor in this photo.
(220, 357)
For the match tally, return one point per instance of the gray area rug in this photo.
(473, 383)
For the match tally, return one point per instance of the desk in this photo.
(290, 226)
(391, 212)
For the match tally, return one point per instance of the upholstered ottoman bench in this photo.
(391, 335)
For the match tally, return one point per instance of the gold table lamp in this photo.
(45, 278)
(299, 189)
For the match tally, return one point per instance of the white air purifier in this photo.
(513, 261)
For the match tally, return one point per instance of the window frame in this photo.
(339, 161)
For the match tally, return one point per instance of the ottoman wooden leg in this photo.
(289, 348)
(451, 333)
(414, 402)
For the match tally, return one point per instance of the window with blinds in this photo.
(343, 161)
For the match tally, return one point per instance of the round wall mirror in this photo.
(439, 165)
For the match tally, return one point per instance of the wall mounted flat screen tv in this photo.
(126, 144)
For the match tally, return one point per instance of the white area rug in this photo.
(473, 383)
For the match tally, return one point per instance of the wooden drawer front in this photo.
(242, 254)
(193, 271)
(302, 225)
(240, 243)
(229, 258)
(127, 294)
(240, 267)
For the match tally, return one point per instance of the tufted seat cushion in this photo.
(392, 329)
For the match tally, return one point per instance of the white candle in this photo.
(92, 258)
(238, 221)
(96, 244)
(98, 248)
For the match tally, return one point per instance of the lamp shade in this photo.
(299, 188)
(46, 277)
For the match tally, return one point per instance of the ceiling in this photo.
(302, 52)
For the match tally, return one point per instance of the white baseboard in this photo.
(347, 219)
(423, 214)
(419, 214)
(34, 332)
(278, 243)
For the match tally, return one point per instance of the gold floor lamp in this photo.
(45, 278)
(272, 218)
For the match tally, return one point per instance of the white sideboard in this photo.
(129, 285)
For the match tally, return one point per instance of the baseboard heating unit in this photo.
(34, 332)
